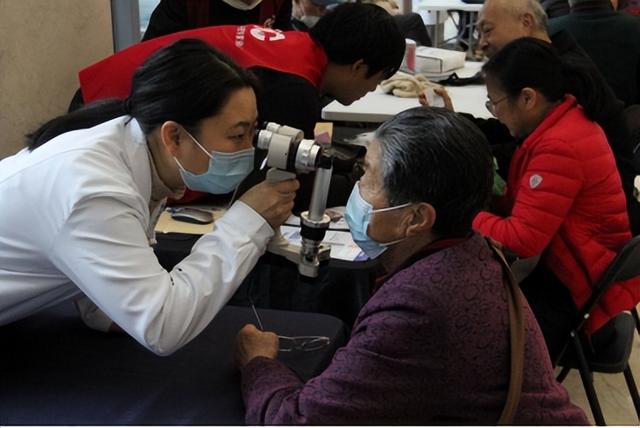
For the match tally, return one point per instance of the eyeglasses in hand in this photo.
(303, 343)
(296, 343)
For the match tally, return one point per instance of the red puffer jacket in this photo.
(566, 203)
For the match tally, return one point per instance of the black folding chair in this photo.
(634, 312)
(632, 168)
(579, 353)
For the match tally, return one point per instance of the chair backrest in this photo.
(632, 116)
(625, 265)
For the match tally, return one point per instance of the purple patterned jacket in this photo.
(430, 347)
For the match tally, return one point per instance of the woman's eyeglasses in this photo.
(303, 343)
(491, 105)
(296, 343)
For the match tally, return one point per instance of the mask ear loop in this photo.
(397, 207)
(386, 244)
(197, 144)
(235, 192)
(233, 197)
(200, 146)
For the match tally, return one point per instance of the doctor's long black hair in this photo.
(186, 82)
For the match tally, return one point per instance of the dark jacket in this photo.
(555, 8)
(612, 41)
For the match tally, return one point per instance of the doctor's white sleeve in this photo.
(103, 249)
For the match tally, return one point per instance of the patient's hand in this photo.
(423, 99)
(252, 343)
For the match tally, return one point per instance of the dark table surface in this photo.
(341, 288)
(56, 371)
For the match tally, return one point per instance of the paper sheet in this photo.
(338, 235)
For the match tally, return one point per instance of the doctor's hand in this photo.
(252, 343)
(273, 201)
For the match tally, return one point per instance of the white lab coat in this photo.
(74, 218)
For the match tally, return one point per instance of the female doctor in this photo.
(81, 201)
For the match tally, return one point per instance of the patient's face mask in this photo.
(242, 5)
(358, 216)
(226, 170)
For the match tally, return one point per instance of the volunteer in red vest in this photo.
(345, 55)
(564, 197)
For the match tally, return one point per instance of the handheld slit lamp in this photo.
(290, 154)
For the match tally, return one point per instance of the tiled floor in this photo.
(612, 391)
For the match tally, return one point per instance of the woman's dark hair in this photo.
(534, 63)
(436, 156)
(354, 31)
(186, 82)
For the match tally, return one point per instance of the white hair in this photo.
(518, 7)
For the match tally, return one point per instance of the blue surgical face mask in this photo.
(226, 171)
(358, 215)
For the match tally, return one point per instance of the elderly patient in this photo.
(432, 344)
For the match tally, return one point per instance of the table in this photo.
(439, 6)
(56, 371)
(444, 5)
(341, 288)
(376, 106)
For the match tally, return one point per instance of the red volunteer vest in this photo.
(292, 52)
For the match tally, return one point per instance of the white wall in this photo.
(43, 44)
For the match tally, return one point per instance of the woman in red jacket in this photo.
(564, 198)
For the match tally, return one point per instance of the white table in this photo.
(444, 5)
(440, 6)
(376, 106)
